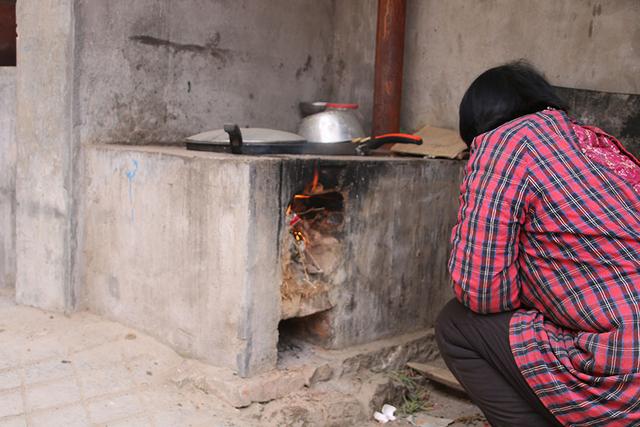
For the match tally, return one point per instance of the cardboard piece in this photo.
(436, 142)
(435, 373)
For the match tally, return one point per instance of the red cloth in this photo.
(547, 231)
(607, 151)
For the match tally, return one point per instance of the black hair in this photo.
(502, 94)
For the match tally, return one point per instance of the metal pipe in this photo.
(387, 93)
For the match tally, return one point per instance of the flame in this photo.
(310, 189)
(316, 178)
(314, 185)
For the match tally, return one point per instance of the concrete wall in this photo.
(354, 50)
(150, 71)
(183, 245)
(577, 43)
(46, 169)
(156, 71)
(7, 176)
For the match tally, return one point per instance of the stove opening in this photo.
(295, 334)
(312, 253)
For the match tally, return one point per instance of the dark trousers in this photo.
(476, 349)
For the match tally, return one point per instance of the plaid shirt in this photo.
(545, 231)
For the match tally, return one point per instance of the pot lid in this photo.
(249, 136)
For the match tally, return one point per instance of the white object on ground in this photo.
(386, 415)
(380, 417)
(389, 411)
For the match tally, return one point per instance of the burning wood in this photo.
(315, 217)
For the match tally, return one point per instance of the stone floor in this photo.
(82, 370)
(85, 371)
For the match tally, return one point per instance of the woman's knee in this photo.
(446, 322)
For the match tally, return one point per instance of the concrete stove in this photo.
(199, 249)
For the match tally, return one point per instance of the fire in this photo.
(314, 186)
(316, 178)
(313, 213)
(312, 250)
(297, 210)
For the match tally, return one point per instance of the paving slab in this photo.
(81, 370)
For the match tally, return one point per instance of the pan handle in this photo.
(365, 147)
(235, 137)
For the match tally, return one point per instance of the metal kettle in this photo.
(326, 122)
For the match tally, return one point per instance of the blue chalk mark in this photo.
(131, 174)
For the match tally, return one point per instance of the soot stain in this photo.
(211, 47)
(597, 9)
(308, 65)
(341, 68)
(631, 126)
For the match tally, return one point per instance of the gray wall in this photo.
(7, 175)
(577, 43)
(150, 71)
(46, 168)
(354, 50)
(155, 71)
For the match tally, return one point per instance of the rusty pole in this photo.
(387, 93)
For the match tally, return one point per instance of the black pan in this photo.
(359, 146)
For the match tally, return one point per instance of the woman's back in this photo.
(548, 242)
(575, 228)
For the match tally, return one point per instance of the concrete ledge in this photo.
(309, 367)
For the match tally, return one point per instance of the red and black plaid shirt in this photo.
(545, 231)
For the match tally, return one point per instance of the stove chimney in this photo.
(387, 95)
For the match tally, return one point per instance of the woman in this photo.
(545, 327)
